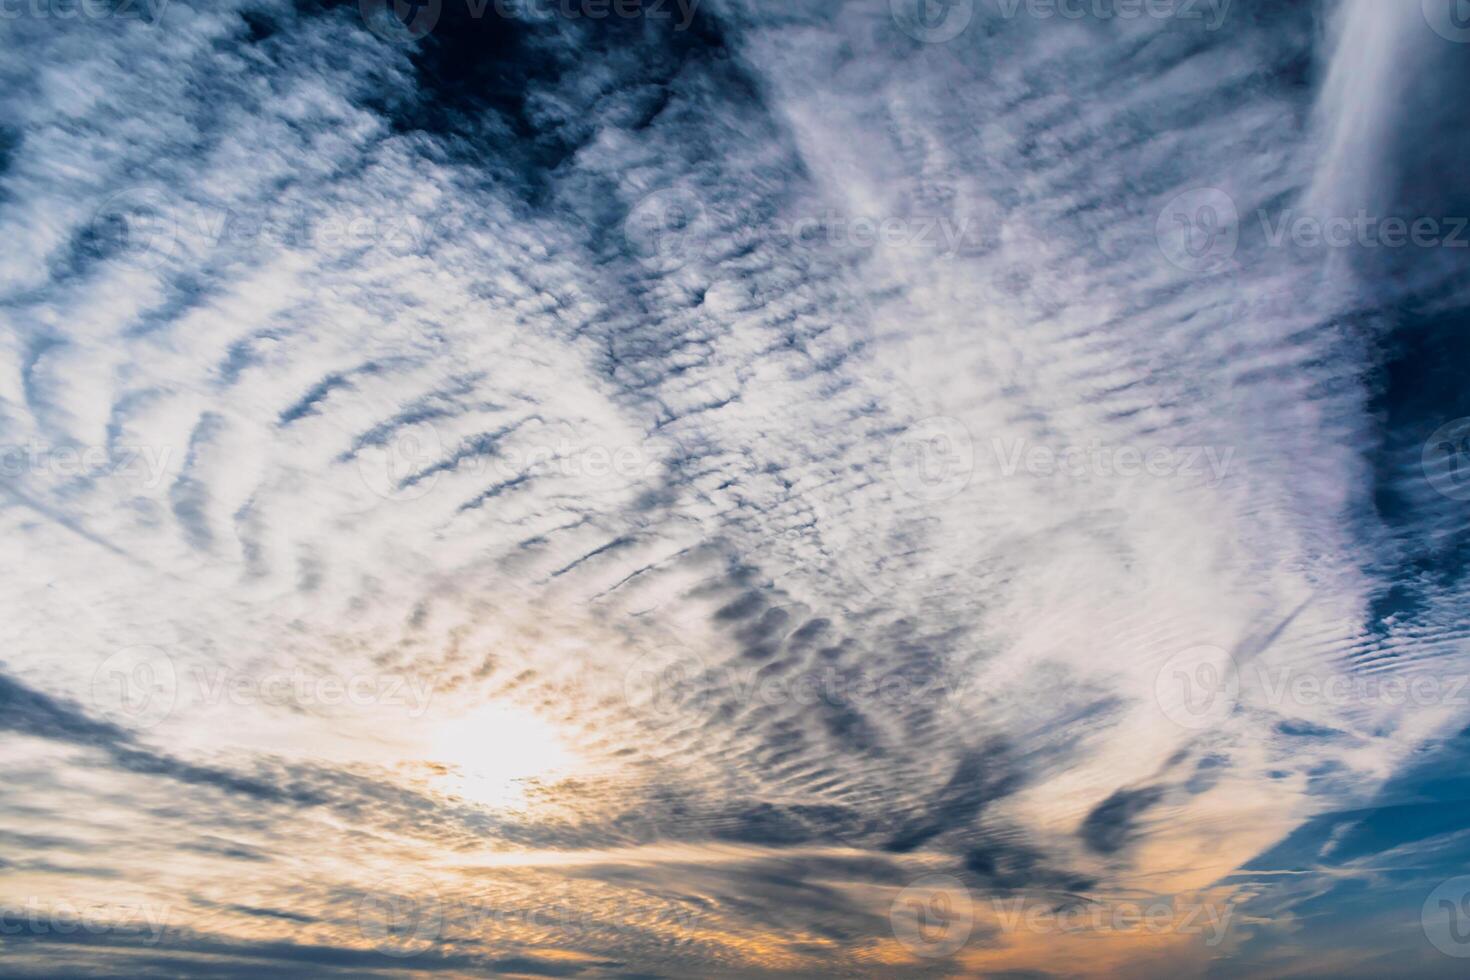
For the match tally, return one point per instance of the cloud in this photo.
(1111, 823)
(834, 439)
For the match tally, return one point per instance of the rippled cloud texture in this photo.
(597, 488)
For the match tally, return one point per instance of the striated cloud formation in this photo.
(716, 488)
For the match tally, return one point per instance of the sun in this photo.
(495, 750)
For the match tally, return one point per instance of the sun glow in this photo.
(495, 751)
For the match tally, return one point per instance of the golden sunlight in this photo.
(495, 750)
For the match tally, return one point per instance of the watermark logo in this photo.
(298, 688)
(934, 459)
(1445, 917)
(136, 226)
(1450, 19)
(136, 687)
(402, 916)
(1420, 689)
(543, 11)
(408, 462)
(409, 21)
(400, 21)
(1446, 460)
(670, 681)
(140, 687)
(941, 234)
(406, 915)
(667, 682)
(143, 466)
(1133, 918)
(1098, 460)
(1362, 230)
(404, 465)
(146, 227)
(932, 21)
(1211, 12)
(1199, 231)
(147, 11)
(934, 916)
(1198, 688)
(45, 917)
(668, 228)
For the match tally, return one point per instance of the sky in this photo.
(734, 489)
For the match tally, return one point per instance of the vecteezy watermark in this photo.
(139, 687)
(147, 11)
(680, 13)
(297, 687)
(1136, 918)
(406, 915)
(933, 917)
(1446, 459)
(932, 21)
(402, 915)
(408, 463)
(672, 680)
(407, 21)
(136, 686)
(401, 21)
(404, 464)
(145, 228)
(1362, 230)
(671, 227)
(1096, 459)
(60, 917)
(668, 228)
(666, 682)
(1202, 686)
(1198, 687)
(939, 234)
(1199, 230)
(934, 459)
(1211, 13)
(136, 225)
(1418, 689)
(1450, 19)
(145, 466)
(1445, 917)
